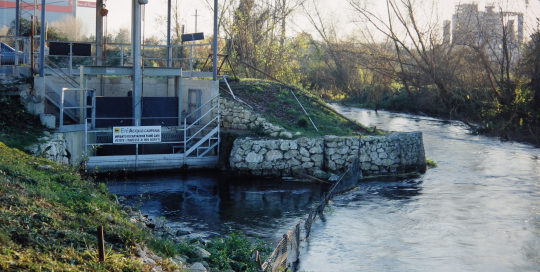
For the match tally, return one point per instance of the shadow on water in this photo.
(206, 205)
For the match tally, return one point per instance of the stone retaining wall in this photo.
(277, 157)
(235, 115)
(52, 147)
(394, 153)
(339, 152)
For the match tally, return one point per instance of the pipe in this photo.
(136, 56)
(42, 40)
(169, 49)
(214, 70)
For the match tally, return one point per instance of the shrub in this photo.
(303, 122)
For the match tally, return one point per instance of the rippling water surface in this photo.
(478, 211)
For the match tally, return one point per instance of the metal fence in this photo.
(287, 253)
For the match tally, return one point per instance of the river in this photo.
(479, 210)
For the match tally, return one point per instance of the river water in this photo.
(479, 210)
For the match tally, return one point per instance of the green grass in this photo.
(18, 128)
(278, 105)
(235, 252)
(49, 216)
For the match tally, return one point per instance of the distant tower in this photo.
(511, 32)
(447, 31)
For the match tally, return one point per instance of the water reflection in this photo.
(206, 205)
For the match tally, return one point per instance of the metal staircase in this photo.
(202, 139)
(53, 93)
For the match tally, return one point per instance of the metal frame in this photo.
(196, 138)
(83, 93)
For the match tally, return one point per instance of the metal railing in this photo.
(72, 62)
(198, 135)
(20, 56)
(187, 137)
(83, 93)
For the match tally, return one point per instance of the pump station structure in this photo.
(133, 118)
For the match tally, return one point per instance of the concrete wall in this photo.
(394, 153)
(33, 98)
(209, 88)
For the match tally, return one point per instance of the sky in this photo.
(120, 14)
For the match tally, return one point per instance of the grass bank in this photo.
(284, 105)
(49, 217)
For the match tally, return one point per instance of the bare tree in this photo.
(72, 27)
(4, 30)
(420, 54)
(256, 35)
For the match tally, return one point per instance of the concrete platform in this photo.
(148, 162)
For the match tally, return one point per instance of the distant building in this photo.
(471, 26)
(54, 11)
(447, 31)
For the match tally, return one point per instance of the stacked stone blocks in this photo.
(236, 116)
(393, 153)
(276, 157)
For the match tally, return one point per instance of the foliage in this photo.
(431, 164)
(236, 252)
(25, 28)
(303, 122)
(49, 216)
(18, 128)
(256, 38)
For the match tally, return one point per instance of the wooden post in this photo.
(258, 260)
(101, 244)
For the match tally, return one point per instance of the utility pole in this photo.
(42, 40)
(99, 33)
(169, 50)
(136, 56)
(193, 42)
(17, 18)
(195, 20)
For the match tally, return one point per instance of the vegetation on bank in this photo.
(284, 105)
(520, 121)
(49, 216)
(18, 129)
